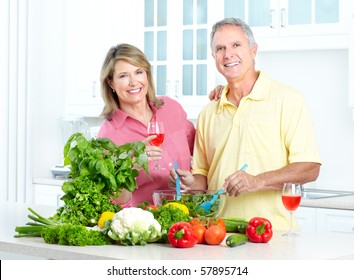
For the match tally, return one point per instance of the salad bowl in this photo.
(193, 200)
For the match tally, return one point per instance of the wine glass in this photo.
(291, 197)
(156, 128)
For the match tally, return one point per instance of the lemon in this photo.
(183, 207)
(104, 217)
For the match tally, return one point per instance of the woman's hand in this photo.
(216, 93)
(186, 179)
(153, 152)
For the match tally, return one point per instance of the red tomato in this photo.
(213, 221)
(199, 230)
(199, 221)
(215, 234)
(150, 207)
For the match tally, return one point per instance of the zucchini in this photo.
(235, 224)
(236, 240)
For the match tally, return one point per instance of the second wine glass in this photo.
(291, 197)
(156, 128)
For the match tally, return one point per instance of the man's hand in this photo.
(240, 182)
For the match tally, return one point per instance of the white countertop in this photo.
(50, 181)
(341, 202)
(306, 247)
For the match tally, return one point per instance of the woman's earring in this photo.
(114, 91)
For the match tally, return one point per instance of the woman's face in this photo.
(130, 83)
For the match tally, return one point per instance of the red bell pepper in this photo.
(181, 235)
(259, 230)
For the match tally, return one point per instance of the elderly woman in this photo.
(130, 103)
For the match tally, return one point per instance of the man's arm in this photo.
(298, 172)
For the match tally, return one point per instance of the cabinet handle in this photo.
(283, 17)
(177, 89)
(168, 89)
(272, 13)
(94, 89)
(58, 200)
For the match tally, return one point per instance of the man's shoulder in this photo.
(210, 108)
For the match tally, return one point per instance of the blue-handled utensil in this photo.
(206, 205)
(244, 167)
(178, 182)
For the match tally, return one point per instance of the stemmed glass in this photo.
(156, 128)
(291, 197)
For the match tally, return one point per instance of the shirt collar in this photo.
(258, 92)
(120, 117)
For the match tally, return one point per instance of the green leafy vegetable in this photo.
(85, 201)
(105, 162)
(99, 170)
(63, 234)
(167, 216)
(74, 235)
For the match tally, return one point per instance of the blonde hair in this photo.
(134, 56)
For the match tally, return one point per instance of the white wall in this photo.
(322, 77)
(46, 82)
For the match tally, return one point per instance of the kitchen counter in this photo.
(345, 202)
(306, 247)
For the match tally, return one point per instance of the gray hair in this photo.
(236, 22)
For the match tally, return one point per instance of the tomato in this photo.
(199, 221)
(150, 207)
(215, 234)
(199, 230)
(216, 221)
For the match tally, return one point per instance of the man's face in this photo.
(232, 53)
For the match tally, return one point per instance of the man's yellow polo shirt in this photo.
(271, 128)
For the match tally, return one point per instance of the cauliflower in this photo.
(134, 226)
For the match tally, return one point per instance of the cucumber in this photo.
(235, 224)
(236, 240)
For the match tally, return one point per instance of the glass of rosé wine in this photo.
(291, 197)
(156, 128)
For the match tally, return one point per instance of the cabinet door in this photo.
(176, 41)
(83, 58)
(92, 28)
(313, 17)
(306, 219)
(299, 20)
(261, 15)
(335, 221)
(48, 195)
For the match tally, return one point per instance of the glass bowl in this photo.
(192, 199)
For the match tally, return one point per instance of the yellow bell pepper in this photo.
(181, 206)
(104, 217)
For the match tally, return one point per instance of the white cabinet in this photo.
(294, 24)
(306, 219)
(176, 42)
(48, 195)
(335, 221)
(324, 220)
(92, 28)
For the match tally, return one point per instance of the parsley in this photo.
(167, 216)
